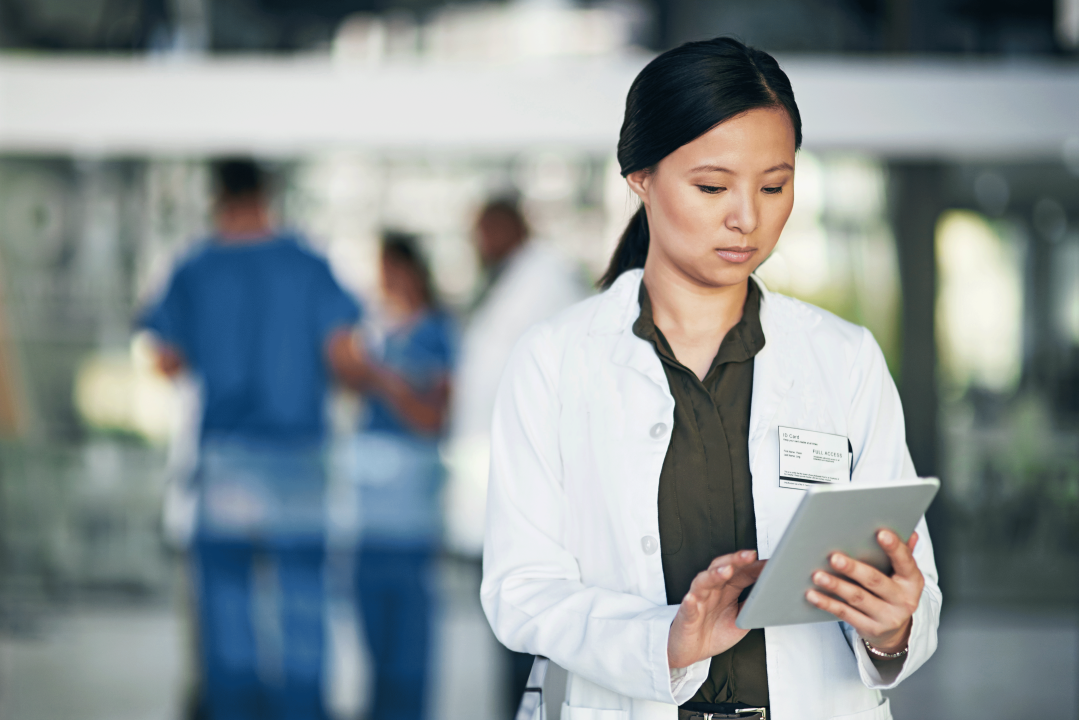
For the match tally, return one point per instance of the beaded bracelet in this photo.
(881, 654)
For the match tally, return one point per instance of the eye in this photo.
(772, 190)
(711, 189)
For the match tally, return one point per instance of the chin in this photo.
(725, 275)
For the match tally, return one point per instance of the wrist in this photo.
(877, 654)
(892, 643)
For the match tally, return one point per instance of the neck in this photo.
(694, 318)
(244, 222)
(689, 309)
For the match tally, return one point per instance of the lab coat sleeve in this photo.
(878, 435)
(532, 592)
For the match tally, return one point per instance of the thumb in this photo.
(691, 608)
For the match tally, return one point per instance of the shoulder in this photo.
(574, 322)
(543, 263)
(198, 258)
(790, 315)
(563, 341)
(837, 344)
(296, 248)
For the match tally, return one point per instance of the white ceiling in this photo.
(277, 106)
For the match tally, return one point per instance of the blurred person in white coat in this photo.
(526, 281)
(635, 446)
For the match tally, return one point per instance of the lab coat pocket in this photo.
(880, 712)
(582, 713)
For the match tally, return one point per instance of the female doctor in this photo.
(635, 446)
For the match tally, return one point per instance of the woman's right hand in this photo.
(704, 626)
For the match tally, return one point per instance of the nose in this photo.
(743, 215)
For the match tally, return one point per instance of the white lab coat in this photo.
(536, 283)
(571, 568)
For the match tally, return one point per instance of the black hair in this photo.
(508, 206)
(403, 247)
(681, 95)
(236, 178)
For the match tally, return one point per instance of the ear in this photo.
(638, 182)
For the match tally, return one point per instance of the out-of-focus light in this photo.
(1067, 23)
(524, 30)
(1050, 220)
(1066, 287)
(854, 188)
(486, 31)
(979, 304)
(808, 188)
(547, 176)
(124, 392)
(992, 192)
(1071, 154)
(369, 39)
(619, 205)
(799, 264)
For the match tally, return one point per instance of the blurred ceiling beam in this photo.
(281, 107)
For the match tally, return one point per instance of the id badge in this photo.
(812, 458)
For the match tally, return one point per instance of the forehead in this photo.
(753, 141)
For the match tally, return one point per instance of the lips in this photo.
(736, 254)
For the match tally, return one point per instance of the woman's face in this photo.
(401, 288)
(717, 205)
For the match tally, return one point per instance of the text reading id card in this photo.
(809, 458)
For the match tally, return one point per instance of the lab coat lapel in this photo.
(773, 374)
(629, 350)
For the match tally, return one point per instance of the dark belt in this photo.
(721, 711)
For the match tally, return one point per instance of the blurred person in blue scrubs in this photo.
(405, 377)
(254, 315)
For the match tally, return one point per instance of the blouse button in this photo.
(649, 544)
(658, 430)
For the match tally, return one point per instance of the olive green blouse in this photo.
(705, 487)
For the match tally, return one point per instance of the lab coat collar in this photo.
(774, 368)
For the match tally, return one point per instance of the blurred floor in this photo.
(997, 663)
(118, 661)
(123, 663)
(112, 663)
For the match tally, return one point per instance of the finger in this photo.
(743, 557)
(867, 576)
(901, 556)
(913, 541)
(743, 577)
(858, 620)
(712, 579)
(854, 595)
(712, 586)
(690, 609)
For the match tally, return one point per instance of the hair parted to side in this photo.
(681, 95)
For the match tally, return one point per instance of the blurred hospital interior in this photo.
(936, 203)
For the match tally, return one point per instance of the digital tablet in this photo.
(831, 518)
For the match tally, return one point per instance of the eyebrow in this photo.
(717, 168)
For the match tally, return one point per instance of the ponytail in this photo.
(632, 249)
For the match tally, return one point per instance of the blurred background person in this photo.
(253, 314)
(524, 282)
(404, 374)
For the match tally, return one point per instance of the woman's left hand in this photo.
(879, 607)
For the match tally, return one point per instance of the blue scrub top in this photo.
(399, 471)
(423, 354)
(252, 321)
